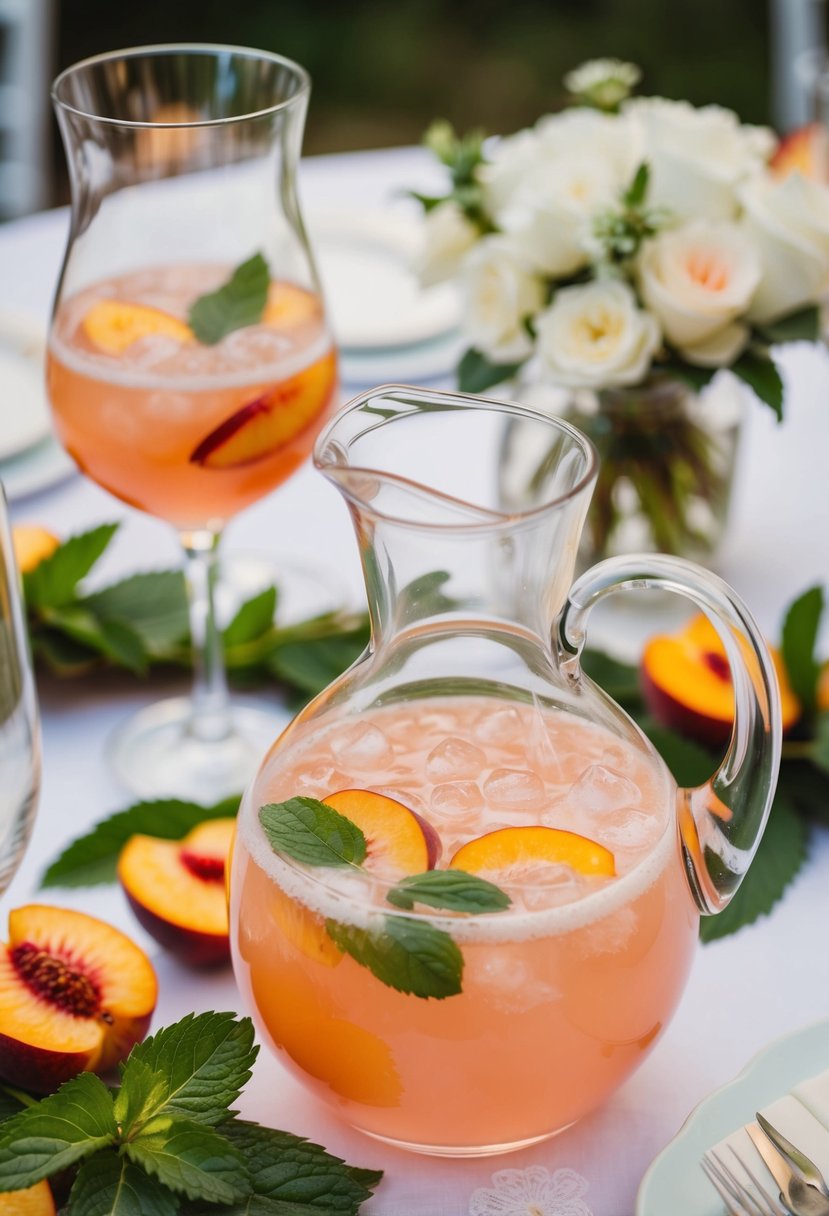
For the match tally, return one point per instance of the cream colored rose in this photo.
(446, 236)
(509, 162)
(698, 156)
(596, 336)
(698, 280)
(500, 292)
(788, 221)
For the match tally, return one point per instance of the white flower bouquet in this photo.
(626, 243)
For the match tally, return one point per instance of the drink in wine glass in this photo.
(190, 361)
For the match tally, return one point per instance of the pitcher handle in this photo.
(721, 822)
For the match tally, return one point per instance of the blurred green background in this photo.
(383, 69)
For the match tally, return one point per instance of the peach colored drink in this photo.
(562, 992)
(190, 433)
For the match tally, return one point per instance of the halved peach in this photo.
(35, 1200)
(113, 325)
(271, 421)
(32, 545)
(512, 848)
(686, 683)
(399, 841)
(176, 888)
(802, 151)
(823, 687)
(289, 306)
(75, 994)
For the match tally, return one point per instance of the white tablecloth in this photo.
(743, 992)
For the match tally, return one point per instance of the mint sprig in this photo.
(312, 833)
(407, 954)
(454, 890)
(239, 302)
(800, 632)
(166, 1142)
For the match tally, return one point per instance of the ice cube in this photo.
(601, 791)
(454, 758)
(363, 747)
(507, 982)
(630, 830)
(408, 797)
(456, 797)
(546, 885)
(498, 726)
(514, 788)
(321, 779)
(151, 350)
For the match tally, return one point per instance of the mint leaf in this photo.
(409, 955)
(690, 764)
(619, 680)
(189, 1157)
(293, 1170)
(782, 852)
(800, 630)
(93, 858)
(10, 1103)
(476, 373)
(313, 833)
(109, 1185)
(452, 889)
(115, 640)
(238, 303)
(800, 326)
(201, 1063)
(254, 618)
(59, 1130)
(153, 605)
(144, 1094)
(53, 581)
(820, 753)
(309, 665)
(761, 375)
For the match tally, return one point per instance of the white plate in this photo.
(372, 292)
(24, 414)
(38, 468)
(404, 365)
(674, 1182)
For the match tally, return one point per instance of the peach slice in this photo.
(113, 325)
(32, 545)
(823, 687)
(289, 306)
(509, 848)
(270, 422)
(35, 1200)
(75, 994)
(802, 151)
(399, 841)
(176, 888)
(686, 683)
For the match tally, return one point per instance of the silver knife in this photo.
(799, 1196)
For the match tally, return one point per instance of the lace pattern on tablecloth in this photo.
(531, 1192)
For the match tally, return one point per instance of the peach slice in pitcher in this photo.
(176, 888)
(686, 683)
(113, 325)
(75, 994)
(270, 422)
(398, 840)
(508, 849)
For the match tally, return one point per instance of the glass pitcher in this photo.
(506, 913)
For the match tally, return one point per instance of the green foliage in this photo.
(165, 1141)
(236, 304)
(800, 631)
(476, 373)
(760, 373)
(451, 889)
(409, 955)
(800, 326)
(312, 833)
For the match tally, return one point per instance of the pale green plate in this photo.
(674, 1184)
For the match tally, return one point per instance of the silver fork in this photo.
(738, 1199)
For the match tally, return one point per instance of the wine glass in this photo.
(190, 362)
(19, 724)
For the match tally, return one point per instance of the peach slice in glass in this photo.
(270, 422)
(399, 841)
(176, 888)
(508, 849)
(290, 306)
(113, 325)
(75, 994)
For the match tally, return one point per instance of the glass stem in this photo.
(210, 721)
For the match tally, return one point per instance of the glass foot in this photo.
(154, 755)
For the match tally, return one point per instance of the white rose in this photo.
(500, 292)
(698, 156)
(788, 221)
(595, 336)
(509, 161)
(698, 279)
(446, 236)
(614, 138)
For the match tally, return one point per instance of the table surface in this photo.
(743, 992)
